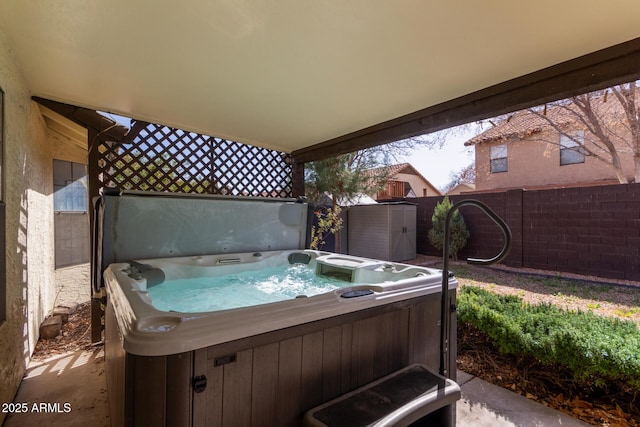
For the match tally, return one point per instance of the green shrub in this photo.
(590, 345)
(459, 231)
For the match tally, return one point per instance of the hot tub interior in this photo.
(210, 283)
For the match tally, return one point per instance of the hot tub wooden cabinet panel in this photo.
(273, 378)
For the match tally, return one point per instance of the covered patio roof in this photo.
(318, 78)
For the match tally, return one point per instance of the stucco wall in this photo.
(73, 284)
(29, 230)
(536, 162)
(417, 184)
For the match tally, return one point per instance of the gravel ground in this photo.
(607, 297)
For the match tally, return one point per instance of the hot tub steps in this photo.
(398, 399)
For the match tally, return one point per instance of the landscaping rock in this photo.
(71, 306)
(51, 327)
(63, 312)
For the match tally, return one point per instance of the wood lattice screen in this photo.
(158, 158)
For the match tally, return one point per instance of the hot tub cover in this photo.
(143, 225)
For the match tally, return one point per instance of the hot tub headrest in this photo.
(299, 258)
(154, 276)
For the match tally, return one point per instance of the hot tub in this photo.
(351, 284)
(272, 361)
(252, 364)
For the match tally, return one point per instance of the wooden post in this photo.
(94, 189)
(297, 178)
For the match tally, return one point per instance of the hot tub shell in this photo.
(268, 364)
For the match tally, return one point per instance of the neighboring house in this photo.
(404, 181)
(524, 151)
(461, 189)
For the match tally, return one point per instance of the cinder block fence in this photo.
(586, 230)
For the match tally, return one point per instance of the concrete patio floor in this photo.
(78, 380)
(486, 404)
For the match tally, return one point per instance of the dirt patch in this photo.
(610, 404)
(75, 335)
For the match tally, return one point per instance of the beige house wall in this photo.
(417, 184)
(28, 167)
(535, 161)
(460, 189)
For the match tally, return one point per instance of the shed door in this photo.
(403, 232)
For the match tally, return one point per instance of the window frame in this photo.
(572, 148)
(70, 209)
(498, 163)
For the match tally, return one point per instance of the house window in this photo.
(499, 158)
(572, 148)
(69, 187)
(71, 222)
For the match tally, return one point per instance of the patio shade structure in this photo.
(319, 79)
(309, 80)
(314, 80)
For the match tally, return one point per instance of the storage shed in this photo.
(383, 231)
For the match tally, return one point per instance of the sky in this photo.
(437, 164)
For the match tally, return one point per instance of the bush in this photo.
(459, 231)
(590, 345)
(328, 222)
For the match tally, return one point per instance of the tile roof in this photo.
(519, 125)
(390, 170)
(525, 123)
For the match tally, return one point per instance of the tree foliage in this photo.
(328, 222)
(466, 175)
(342, 179)
(346, 177)
(459, 231)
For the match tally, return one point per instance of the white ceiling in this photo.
(287, 74)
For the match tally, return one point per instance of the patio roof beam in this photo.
(87, 118)
(598, 70)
